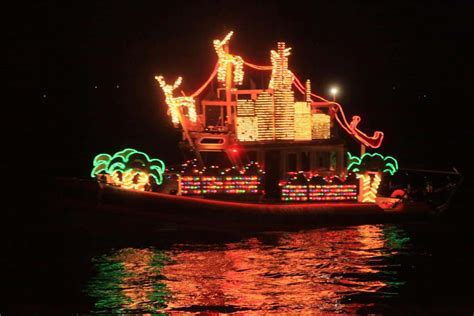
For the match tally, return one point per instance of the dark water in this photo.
(410, 268)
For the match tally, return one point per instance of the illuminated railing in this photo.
(317, 189)
(292, 192)
(332, 192)
(201, 185)
(214, 180)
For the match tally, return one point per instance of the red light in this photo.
(234, 150)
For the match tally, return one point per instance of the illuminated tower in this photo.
(281, 82)
(265, 117)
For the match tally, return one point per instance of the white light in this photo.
(334, 90)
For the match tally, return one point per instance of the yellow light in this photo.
(226, 59)
(246, 123)
(370, 187)
(302, 121)
(308, 90)
(280, 74)
(321, 126)
(264, 113)
(131, 179)
(175, 103)
(281, 82)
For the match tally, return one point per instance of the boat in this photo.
(274, 157)
(98, 207)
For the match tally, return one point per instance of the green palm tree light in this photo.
(129, 168)
(369, 169)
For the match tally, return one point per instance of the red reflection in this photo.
(136, 263)
(304, 272)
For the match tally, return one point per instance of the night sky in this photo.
(83, 79)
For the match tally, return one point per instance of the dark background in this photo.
(405, 67)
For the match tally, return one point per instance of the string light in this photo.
(318, 192)
(283, 117)
(308, 91)
(294, 192)
(369, 141)
(246, 122)
(226, 59)
(302, 121)
(331, 192)
(321, 126)
(224, 183)
(281, 77)
(265, 119)
(281, 81)
(174, 104)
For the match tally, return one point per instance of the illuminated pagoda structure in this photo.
(281, 131)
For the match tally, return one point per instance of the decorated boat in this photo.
(264, 158)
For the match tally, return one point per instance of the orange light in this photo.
(174, 103)
(225, 59)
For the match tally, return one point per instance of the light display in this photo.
(202, 184)
(281, 78)
(229, 181)
(226, 61)
(265, 118)
(246, 123)
(294, 192)
(176, 103)
(321, 126)
(281, 81)
(317, 189)
(308, 91)
(275, 117)
(129, 168)
(332, 192)
(374, 141)
(369, 187)
(130, 179)
(302, 121)
(372, 162)
(369, 169)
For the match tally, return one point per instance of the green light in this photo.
(100, 164)
(372, 162)
(126, 160)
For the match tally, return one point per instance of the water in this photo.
(408, 268)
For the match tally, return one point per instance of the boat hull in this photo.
(105, 207)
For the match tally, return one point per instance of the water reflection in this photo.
(129, 280)
(327, 270)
